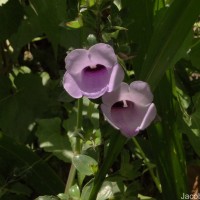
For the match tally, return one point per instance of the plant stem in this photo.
(147, 163)
(116, 144)
(70, 179)
(77, 148)
(78, 126)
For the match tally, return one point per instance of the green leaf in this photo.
(19, 188)
(85, 164)
(23, 164)
(78, 23)
(140, 27)
(167, 143)
(51, 14)
(47, 198)
(74, 192)
(195, 117)
(142, 197)
(195, 56)
(170, 33)
(87, 3)
(51, 139)
(106, 191)
(3, 2)
(86, 190)
(11, 15)
(117, 141)
(22, 107)
(63, 196)
(5, 88)
(26, 32)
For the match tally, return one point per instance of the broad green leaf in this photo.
(11, 15)
(52, 140)
(85, 164)
(51, 14)
(25, 165)
(26, 32)
(171, 31)
(74, 192)
(20, 108)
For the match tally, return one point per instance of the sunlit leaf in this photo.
(85, 164)
(78, 23)
(52, 140)
(74, 192)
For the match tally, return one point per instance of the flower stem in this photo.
(147, 163)
(116, 144)
(78, 125)
(70, 179)
(77, 147)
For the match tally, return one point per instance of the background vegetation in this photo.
(157, 41)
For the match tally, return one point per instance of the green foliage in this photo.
(11, 15)
(167, 144)
(85, 164)
(51, 140)
(171, 31)
(28, 170)
(21, 107)
(43, 130)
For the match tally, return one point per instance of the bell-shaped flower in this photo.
(92, 72)
(129, 108)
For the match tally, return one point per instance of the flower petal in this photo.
(121, 93)
(129, 118)
(95, 95)
(71, 86)
(141, 93)
(149, 117)
(102, 54)
(77, 60)
(107, 114)
(116, 78)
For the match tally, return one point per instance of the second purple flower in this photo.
(129, 108)
(92, 72)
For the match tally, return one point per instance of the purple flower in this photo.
(129, 108)
(92, 72)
